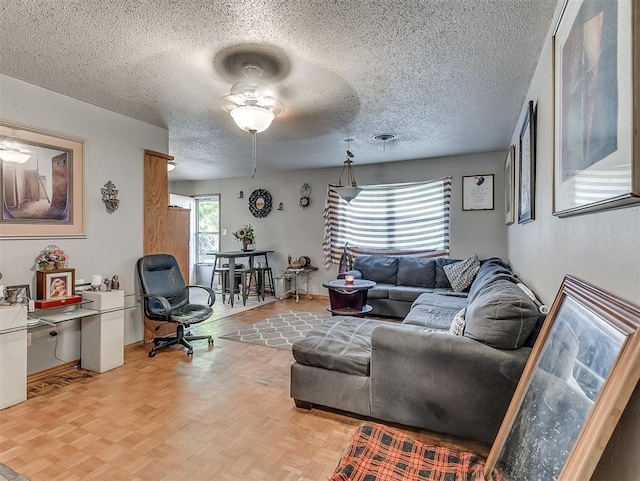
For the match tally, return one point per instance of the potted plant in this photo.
(246, 236)
(52, 256)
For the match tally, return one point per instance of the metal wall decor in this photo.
(305, 191)
(110, 197)
(260, 203)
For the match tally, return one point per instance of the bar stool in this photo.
(226, 288)
(264, 274)
(245, 275)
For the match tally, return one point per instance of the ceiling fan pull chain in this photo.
(253, 154)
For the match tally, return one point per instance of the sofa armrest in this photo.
(441, 382)
(353, 272)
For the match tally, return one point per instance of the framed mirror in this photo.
(575, 386)
(260, 203)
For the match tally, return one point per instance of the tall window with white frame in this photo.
(208, 233)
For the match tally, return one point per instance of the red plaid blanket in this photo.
(378, 453)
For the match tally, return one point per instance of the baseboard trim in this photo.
(61, 368)
(52, 371)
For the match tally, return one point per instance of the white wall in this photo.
(602, 249)
(297, 232)
(114, 151)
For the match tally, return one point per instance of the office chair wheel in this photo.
(190, 352)
(210, 341)
(152, 353)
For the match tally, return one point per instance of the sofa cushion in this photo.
(380, 291)
(407, 293)
(491, 270)
(441, 278)
(431, 317)
(501, 316)
(414, 271)
(381, 269)
(461, 274)
(341, 343)
(458, 324)
(441, 298)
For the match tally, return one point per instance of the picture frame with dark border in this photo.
(527, 167)
(478, 192)
(577, 381)
(510, 186)
(23, 293)
(55, 283)
(596, 106)
(41, 184)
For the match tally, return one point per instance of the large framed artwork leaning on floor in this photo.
(581, 373)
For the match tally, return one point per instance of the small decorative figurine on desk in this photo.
(107, 282)
(115, 283)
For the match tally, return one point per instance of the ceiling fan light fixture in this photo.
(252, 118)
(250, 102)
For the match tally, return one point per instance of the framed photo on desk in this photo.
(56, 283)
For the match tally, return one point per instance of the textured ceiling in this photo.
(445, 76)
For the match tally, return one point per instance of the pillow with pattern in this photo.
(461, 274)
(458, 324)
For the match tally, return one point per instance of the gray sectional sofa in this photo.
(400, 281)
(417, 372)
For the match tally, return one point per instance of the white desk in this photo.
(103, 334)
(13, 355)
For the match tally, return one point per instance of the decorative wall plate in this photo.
(260, 203)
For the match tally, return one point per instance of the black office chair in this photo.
(166, 298)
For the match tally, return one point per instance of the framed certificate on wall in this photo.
(477, 192)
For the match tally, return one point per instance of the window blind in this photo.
(409, 219)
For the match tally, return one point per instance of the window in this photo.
(208, 233)
(392, 219)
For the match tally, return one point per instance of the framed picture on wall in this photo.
(596, 155)
(527, 167)
(55, 284)
(477, 192)
(41, 184)
(509, 186)
(574, 388)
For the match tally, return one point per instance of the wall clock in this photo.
(305, 190)
(260, 203)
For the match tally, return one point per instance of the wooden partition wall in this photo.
(166, 229)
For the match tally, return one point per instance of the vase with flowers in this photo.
(52, 257)
(246, 236)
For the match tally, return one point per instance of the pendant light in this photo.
(351, 190)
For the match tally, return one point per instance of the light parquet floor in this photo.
(224, 414)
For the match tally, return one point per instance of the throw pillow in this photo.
(461, 274)
(458, 323)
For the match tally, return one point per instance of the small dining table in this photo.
(233, 255)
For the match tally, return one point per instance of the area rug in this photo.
(279, 331)
(378, 453)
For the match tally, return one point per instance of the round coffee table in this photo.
(348, 299)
